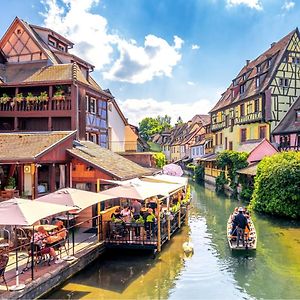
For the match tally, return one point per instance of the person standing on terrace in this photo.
(136, 210)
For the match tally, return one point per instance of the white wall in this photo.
(116, 123)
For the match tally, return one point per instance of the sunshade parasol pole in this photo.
(32, 253)
(18, 286)
(69, 257)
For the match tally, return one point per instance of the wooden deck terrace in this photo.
(85, 243)
(123, 235)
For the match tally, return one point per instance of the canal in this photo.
(213, 272)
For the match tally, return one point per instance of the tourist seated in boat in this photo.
(242, 223)
(150, 225)
(126, 214)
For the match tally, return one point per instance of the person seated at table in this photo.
(153, 204)
(126, 214)
(117, 214)
(41, 238)
(62, 231)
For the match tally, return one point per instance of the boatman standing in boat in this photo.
(241, 221)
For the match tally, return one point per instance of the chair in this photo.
(60, 245)
(22, 237)
(38, 256)
(3, 263)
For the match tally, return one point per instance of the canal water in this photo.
(212, 272)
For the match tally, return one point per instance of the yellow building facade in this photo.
(258, 97)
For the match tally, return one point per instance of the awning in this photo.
(166, 179)
(250, 170)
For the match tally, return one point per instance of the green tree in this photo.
(232, 161)
(277, 185)
(149, 126)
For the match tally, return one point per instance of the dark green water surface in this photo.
(213, 272)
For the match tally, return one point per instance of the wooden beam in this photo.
(158, 227)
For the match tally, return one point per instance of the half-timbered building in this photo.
(43, 87)
(259, 96)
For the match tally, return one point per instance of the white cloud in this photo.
(94, 43)
(140, 64)
(191, 83)
(195, 47)
(137, 109)
(255, 4)
(288, 5)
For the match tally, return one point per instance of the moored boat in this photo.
(250, 236)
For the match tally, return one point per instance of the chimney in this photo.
(273, 44)
(247, 62)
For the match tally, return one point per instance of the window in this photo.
(216, 136)
(262, 132)
(243, 135)
(284, 82)
(242, 89)
(258, 69)
(256, 105)
(51, 42)
(297, 115)
(244, 77)
(86, 103)
(225, 143)
(269, 63)
(242, 110)
(257, 82)
(230, 146)
(221, 138)
(296, 60)
(61, 47)
(93, 108)
(93, 138)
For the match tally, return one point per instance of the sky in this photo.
(160, 57)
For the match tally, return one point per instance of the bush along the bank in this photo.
(221, 180)
(277, 185)
(232, 161)
(160, 159)
(199, 174)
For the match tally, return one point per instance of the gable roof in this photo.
(288, 124)
(250, 71)
(107, 161)
(29, 146)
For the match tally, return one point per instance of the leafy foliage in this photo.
(221, 180)
(199, 174)
(277, 185)
(149, 126)
(232, 161)
(160, 159)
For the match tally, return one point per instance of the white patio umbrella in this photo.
(24, 212)
(140, 190)
(166, 178)
(79, 199)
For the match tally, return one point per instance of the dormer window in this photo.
(61, 47)
(242, 89)
(244, 77)
(52, 42)
(258, 69)
(234, 82)
(269, 63)
(257, 81)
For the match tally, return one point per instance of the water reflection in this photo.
(213, 272)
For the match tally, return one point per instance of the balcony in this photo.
(253, 117)
(31, 106)
(218, 126)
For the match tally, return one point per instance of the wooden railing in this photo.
(37, 105)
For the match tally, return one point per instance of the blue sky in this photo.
(163, 56)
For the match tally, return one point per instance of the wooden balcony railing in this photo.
(24, 105)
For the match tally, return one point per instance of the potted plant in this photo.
(5, 98)
(11, 184)
(31, 98)
(18, 98)
(43, 97)
(59, 95)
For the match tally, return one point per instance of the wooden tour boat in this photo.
(250, 237)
